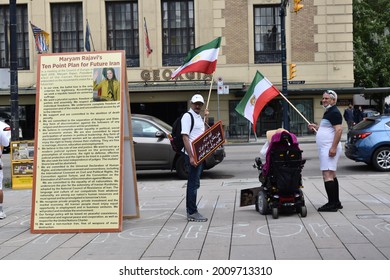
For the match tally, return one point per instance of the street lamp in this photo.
(13, 72)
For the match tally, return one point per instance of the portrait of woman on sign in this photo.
(105, 85)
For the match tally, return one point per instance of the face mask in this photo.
(327, 107)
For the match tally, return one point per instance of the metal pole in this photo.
(90, 35)
(218, 118)
(286, 121)
(13, 72)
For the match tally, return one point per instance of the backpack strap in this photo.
(192, 121)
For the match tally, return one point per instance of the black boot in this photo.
(336, 194)
(330, 187)
(328, 194)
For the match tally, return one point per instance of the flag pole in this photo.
(211, 86)
(90, 35)
(208, 98)
(288, 101)
(285, 98)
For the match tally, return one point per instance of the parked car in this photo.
(370, 113)
(4, 116)
(153, 150)
(7, 129)
(369, 142)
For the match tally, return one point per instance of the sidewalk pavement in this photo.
(360, 231)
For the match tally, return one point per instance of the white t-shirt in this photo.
(4, 141)
(263, 151)
(198, 128)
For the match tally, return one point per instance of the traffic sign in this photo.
(296, 82)
(220, 85)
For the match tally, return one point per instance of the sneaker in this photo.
(2, 215)
(328, 208)
(196, 217)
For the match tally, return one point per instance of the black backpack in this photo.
(177, 139)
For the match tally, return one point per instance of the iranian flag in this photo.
(202, 59)
(260, 92)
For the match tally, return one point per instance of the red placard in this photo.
(208, 142)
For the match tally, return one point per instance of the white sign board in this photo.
(4, 79)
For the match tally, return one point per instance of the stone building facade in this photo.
(319, 40)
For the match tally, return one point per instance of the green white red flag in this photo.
(202, 59)
(260, 92)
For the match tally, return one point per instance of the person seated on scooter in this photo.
(269, 134)
(264, 149)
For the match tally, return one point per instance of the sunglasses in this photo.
(332, 94)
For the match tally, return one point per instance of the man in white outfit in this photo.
(329, 149)
(4, 142)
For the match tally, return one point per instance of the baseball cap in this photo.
(197, 98)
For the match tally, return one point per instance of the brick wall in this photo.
(236, 31)
(303, 46)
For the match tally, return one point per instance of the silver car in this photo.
(153, 150)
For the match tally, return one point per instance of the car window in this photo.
(163, 124)
(143, 129)
(4, 116)
(137, 128)
(364, 124)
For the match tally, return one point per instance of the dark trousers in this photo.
(193, 184)
(350, 124)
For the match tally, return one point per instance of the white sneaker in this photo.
(2, 215)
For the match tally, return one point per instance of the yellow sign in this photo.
(22, 162)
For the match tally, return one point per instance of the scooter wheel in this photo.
(275, 212)
(303, 211)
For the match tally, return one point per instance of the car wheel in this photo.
(381, 159)
(181, 168)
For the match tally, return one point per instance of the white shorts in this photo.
(327, 162)
(1, 180)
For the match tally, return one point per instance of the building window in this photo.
(22, 26)
(270, 118)
(267, 34)
(122, 29)
(297, 123)
(67, 27)
(178, 30)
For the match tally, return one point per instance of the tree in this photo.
(371, 24)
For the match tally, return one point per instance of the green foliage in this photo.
(371, 24)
